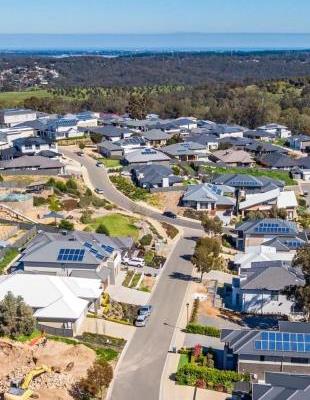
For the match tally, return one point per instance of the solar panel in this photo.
(70, 255)
(283, 341)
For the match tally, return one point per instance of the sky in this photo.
(154, 16)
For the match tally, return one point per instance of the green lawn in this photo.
(24, 338)
(10, 254)
(117, 225)
(274, 174)
(184, 359)
(13, 99)
(109, 163)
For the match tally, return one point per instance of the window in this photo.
(299, 360)
(274, 296)
(261, 358)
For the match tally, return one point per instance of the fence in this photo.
(43, 172)
(168, 189)
(55, 331)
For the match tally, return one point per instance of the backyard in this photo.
(109, 163)
(117, 225)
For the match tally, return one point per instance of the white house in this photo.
(277, 130)
(16, 133)
(14, 116)
(60, 304)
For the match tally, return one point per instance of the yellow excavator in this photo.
(20, 390)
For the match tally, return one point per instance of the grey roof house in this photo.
(259, 351)
(187, 151)
(78, 254)
(211, 142)
(259, 289)
(156, 137)
(257, 232)
(30, 165)
(276, 160)
(208, 197)
(146, 156)
(155, 176)
(111, 132)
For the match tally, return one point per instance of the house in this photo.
(276, 160)
(277, 130)
(155, 176)
(78, 254)
(232, 158)
(267, 200)
(87, 119)
(14, 133)
(259, 135)
(248, 183)
(31, 165)
(208, 197)
(156, 137)
(186, 151)
(109, 149)
(224, 130)
(186, 123)
(112, 133)
(282, 386)
(146, 156)
(299, 142)
(60, 304)
(259, 289)
(62, 128)
(259, 351)
(131, 144)
(259, 149)
(13, 116)
(258, 254)
(263, 231)
(210, 142)
(238, 143)
(34, 145)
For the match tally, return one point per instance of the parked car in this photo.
(99, 191)
(169, 214)
(134, 262)
(98, 164)
(80, 153)
(145, 310)
(141, 320)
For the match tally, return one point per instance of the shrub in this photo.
(190, 373)
(194, 311)
(86, 217)
(102, 229)
(203, 330)
(171, 230)
(146, 240)
(128, 188)
(39, 201)
(66, 225)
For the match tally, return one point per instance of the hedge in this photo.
(203, 330)
(190, 373)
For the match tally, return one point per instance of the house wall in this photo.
(15, 119)
(264, 303)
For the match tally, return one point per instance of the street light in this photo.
(187, 312)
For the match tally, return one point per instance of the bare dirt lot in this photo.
(68, 364)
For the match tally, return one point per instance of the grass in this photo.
(63, 340)
(26, 338)
(148, 257)
(109, 163)
(135, 280)
(127, 279)
(274, 174)
(117, 225)
(106, 354)
(184, 360)
(14, 98)
(9, 256)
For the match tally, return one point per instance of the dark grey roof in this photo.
(156, 134)
(207, 193)
(202, 138)
(153, 174)
(35, 124)
(236, 141)
(9, 153)
(287, 243)
(276, 160)
(271, 276)
(32, 140)
(48, 153)
(111, 146)
(274, 226)
(109, 131)
(303, 162)
(247, 181)
(102, 274)
(261, 147)
(16, 111)
(133, 140)
(38, 162)
(282, 386)
(179, 149)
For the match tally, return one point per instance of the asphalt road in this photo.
(140, 371)
(99, 179)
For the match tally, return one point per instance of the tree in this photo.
(212, 225)
(66, 225)
(16, 317)
(276, 212)
(207, 255)
(137, 105)
(98, 378)
(54, 204)
(81, 146)
(102, 229)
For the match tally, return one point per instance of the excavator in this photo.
(20, 390)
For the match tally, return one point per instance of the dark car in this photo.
(169, 214)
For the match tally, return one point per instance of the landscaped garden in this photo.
(197, 368)
(125, 186)
(7, 257)
(109, 162)
(116, 225)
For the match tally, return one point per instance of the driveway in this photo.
(140, 371)
(98, 177)
(126, 295)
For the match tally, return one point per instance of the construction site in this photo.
(46, 369)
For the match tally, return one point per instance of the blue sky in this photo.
(154, 16)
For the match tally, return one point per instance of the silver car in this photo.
(141, 320)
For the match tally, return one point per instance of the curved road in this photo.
(99, 179)
(140, 370)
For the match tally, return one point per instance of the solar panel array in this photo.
(149, 151)
(244, 183)
(282, 341)
(271, 228)
(293, 243)
(109, 249)
(71, 255)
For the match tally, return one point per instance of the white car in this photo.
(141, 320)
(99, 191)
(134, 262)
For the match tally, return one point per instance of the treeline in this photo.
(286, 102)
